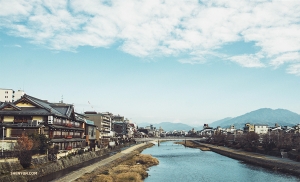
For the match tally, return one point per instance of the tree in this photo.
(24, 146)
(252, 139)
(40, 142)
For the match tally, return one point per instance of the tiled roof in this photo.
(43, 108)
(4, 104)
(27, 111)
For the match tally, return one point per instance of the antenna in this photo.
(91, 106)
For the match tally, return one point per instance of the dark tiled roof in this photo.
(4, 104)
(43, 108)
(27, 111)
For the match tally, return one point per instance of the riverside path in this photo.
(88, 169)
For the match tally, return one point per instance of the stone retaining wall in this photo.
(49, 167)
(263, 162)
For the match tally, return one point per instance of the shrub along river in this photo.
(179, 163)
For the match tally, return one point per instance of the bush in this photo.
(25, 158)
(129, 176)
(103, 178)
(81, 151)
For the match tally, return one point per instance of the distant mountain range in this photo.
(261, 116)
(168, 126)
(267, 116)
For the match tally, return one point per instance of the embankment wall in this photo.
(266, 162)
(46, 168)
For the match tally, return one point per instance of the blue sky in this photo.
(193, 62)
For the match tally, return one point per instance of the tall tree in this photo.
(24, 146)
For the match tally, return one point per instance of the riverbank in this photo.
(103, 169)
(43, 167)
(275, 163)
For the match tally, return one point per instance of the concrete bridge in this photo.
(167, 139)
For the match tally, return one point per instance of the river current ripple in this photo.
(183, 164)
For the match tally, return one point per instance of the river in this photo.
(179, 163)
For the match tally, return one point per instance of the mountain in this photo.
(219, 122)
(262, 116)
(168, 126)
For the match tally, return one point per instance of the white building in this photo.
(6, 95)
(18, 94)
(261, 129)
(9, 95)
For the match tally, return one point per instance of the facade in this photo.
(103, 121)
(90, 134)
(120, 128)
(9, 95)
(57, 121)
(261, 129)
(18, 94)
(248, 128)
(6, 95)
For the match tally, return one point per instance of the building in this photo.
(57, 121)
(6, 95)
(9, 95)
(248, 128)
(261, 129)
(104, 123)
(90, 134)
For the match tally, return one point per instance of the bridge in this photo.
(167, 139)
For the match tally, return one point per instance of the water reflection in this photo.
(178, 163)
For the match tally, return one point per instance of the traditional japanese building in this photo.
(58, 121)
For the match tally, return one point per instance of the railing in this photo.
(57, 136)
(13, 154)
(68, 125)
(68, 136)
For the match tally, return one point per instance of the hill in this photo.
(168, 126)
(261, 116)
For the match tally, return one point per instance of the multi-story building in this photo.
(9, 95)
(260, 128)
(90, 133)
(248, 128)
(104, 123)
(6, 95)
(58, 121)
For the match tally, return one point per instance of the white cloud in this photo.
(161, 28)
(285, 58)
(250, 61)
(294, 69)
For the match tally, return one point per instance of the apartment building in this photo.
(9, 95)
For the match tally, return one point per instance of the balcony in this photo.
(68, 125)
(68, 136)
(57, 136)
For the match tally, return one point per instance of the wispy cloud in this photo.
(250, 61)
(16, 45)
(161, 28)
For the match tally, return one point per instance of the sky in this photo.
(190, 61)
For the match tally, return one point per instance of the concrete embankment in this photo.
(275, 163)
(13, 170)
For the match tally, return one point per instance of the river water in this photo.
(183, 164)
